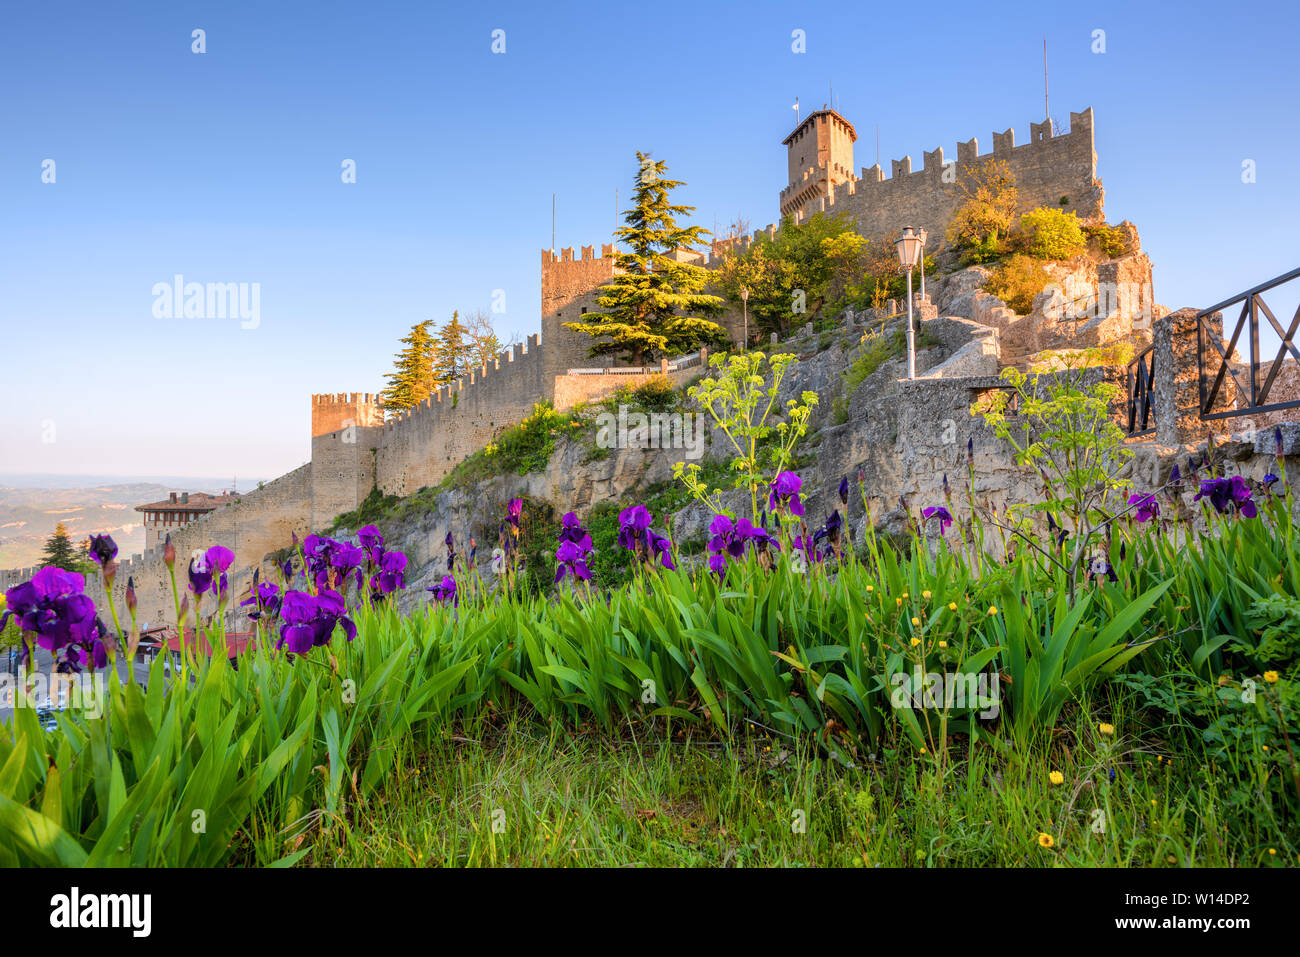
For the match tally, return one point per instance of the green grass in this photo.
(525, 794)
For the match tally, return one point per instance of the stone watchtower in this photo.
(569, 288)
(819, 150)
(345, 431)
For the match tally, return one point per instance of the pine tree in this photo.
(412, 379)
(59, 551)
(653, 304)
(455, 351)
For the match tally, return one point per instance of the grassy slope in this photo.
(582, 799)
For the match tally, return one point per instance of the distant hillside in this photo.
(28, 517)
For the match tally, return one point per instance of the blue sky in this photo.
(225, 167)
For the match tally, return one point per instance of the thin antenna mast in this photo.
(552, 222)
(1047, 110)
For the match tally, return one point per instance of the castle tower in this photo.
(345, 431)
(819, 149)
(568, 291)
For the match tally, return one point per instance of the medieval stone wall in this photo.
(1054, 170)
(568, 290)
(422, 446)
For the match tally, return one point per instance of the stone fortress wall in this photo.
(354, 450)
(1057, 170)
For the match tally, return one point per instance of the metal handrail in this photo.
(1256, 398)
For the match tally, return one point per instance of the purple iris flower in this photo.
(784, 495)
(725, 537)
(757, 535)
(725, 541)
(718, 564)
(309, 621)
(1225, 493)
(570, 559)
(445, 590)
(53, 607)
(373, 543)
(102, 549)
(332, 611)
(1146, 509)
(632, 522)
(844, 491)
(297, 611)
(831, 530)
(346, 561)
(391, 575)
(938, 511)
(808, 546)
(571, 530)
(1269, 479)
(266, 597)
(200, 576)
(218, 558)
(661, 546)
(514, 510)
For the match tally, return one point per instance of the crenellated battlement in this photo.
(336, 411)
(1052, 169)
(588, 254)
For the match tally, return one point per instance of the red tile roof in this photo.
(236, 642)
(198, 502)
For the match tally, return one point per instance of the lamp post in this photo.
(922, 233)
(744, 299)
(909, 246)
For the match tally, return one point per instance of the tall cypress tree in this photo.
(654, 304)
(412, 379)
(59, 550)
(455, 349)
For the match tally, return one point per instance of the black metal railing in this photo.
(1138, 389)
(1254, 398)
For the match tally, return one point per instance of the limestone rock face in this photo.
(955, 296)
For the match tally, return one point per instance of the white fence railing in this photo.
(675, 365)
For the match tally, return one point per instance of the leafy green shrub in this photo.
(1112, 241)
(1052, 233)
(1017, 280)
(877, 349)
(987, 250)
(984, 219)
(373, 508)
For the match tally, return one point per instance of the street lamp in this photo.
(909, 245)
(923, 237)
(744, 298)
